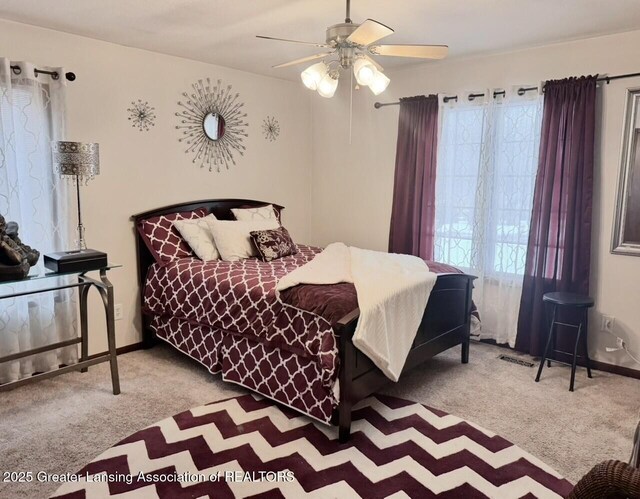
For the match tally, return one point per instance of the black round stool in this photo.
(580, 303)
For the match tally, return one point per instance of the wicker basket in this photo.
(612, 479)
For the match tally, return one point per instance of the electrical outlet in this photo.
(608, 322)
(620, 345)
(118, 312)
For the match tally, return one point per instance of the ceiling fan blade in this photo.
(418, 51)
(322, 45)
(368, 32)
(303, 59)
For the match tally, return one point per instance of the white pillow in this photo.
(267, 212)
(233, 238)
(198, 236)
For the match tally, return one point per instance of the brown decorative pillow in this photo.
(273, 243)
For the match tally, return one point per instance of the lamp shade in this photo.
(76, 159)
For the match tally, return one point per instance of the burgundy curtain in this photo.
(559, 250)
(413, 211)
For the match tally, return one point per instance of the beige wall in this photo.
(352, 184)
(333, 190)
(141, 170)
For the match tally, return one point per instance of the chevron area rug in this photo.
(250, 447)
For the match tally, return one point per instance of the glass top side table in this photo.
(43, 281)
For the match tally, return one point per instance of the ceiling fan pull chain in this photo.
(350, 106)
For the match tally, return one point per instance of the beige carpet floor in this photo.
(58, 426)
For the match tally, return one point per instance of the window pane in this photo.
(457, 184)
(487, 163)
(515, 164)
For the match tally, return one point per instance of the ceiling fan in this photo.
(353, 45)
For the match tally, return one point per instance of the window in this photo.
(456, 185)
(487, 164)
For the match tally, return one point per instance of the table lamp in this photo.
(80, 161)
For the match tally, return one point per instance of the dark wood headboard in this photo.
(221, 208)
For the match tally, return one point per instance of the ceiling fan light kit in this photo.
(328, 85)
(379, 83)
(364, 71)
(312, 76)
(353, 45)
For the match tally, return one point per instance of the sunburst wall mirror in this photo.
(213, 124)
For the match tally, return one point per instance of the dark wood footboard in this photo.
(446, 323)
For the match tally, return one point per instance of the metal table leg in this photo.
(106, 293)
(84, 326)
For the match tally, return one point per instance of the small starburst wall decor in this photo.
(270, 128)
(141, 115)
(218, 102)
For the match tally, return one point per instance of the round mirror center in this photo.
(213, 125)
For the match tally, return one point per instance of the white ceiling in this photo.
(223, 31)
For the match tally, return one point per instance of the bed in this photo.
(226, 315)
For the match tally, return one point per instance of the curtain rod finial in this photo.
(377, 105)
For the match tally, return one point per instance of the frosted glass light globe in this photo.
(364, 71)
(327, 86)
(312, 76)
(379, 83)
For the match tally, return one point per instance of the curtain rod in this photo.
(447, 98)
(54, 74)
(521, 90)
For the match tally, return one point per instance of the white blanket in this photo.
(392, 289)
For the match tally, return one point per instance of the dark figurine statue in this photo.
(16, 258)
(26, 251)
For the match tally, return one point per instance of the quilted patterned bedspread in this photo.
(240, 298)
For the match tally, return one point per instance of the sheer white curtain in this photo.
(487, 162)
(32, 114)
